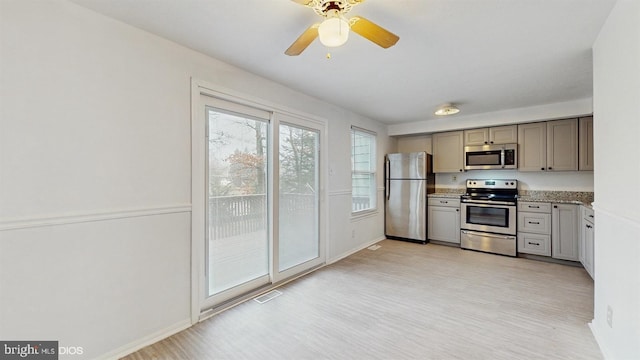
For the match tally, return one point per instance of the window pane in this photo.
(363, 145)
(299, 228)
(237, 243)
(363, 179)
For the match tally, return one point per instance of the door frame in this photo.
(200, 88)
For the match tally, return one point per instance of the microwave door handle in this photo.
(502, 157)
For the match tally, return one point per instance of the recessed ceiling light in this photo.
(447, 109)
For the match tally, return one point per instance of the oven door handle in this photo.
(487, 204)
(509, 237)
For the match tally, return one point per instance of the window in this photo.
(363, 170)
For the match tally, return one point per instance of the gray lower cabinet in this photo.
(444, 219)
(534, 228)
(586, 249)
(564, 231)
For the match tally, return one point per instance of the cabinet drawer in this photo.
(534, 223)
(448, 202)
(538, 207)
(534, 244)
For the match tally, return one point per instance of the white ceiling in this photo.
(485, 55)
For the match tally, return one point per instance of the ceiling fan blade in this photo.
(303, 41)
(303, 2)
(373, 32)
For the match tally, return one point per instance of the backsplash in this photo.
(534, 180)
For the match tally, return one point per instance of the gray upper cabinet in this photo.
(557, 145)
(548, 146)
(532, 147)
(503, 134)
(494, 135)
(585, 152)
(562, 145)
(476, 137)
(447, 152)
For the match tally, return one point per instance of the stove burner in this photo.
(491, 191)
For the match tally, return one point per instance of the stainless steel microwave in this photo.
(486, 157)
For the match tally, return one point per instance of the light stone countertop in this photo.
(559, 197)
(448, 195)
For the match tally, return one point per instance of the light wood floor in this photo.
(406, 301)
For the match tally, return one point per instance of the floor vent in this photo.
(268, 296)
(374, 247)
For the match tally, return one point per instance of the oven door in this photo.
(487, 216)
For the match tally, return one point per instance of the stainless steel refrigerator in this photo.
(408, 179)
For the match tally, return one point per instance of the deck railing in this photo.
(236, 215)
(360, 203)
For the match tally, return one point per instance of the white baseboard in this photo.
(603, 349)
(355, 250)
(147, 340)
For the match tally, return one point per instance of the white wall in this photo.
(617, 170)
(95, 184)
(348, 233)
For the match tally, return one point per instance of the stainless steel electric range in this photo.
(488, 216)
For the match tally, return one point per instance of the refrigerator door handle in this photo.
(388, 170)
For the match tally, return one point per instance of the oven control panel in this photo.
(492, 184)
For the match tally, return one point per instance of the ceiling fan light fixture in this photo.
(447, 109)
(333, 32)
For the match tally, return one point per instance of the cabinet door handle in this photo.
(532, 243)
(589, 226)
(591, 216)
(534, 222)
(443, 202)
(555, 206)
(541, 168)
(534, 207)
(550, 168)
(457, 210)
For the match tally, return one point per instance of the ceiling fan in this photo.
(333, 31)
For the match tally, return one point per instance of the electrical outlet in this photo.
(610, 316)
(454, 178)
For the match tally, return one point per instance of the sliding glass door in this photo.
(238, 229)
(299, 196)
(256, 199)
